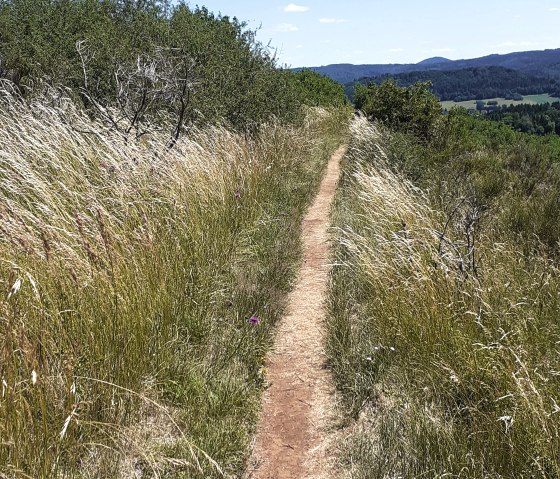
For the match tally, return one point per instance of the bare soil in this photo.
(293, 435)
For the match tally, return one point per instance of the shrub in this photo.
(413, 109)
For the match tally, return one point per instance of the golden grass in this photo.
(451, 370)
(129, 272)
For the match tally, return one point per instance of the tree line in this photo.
(140, 64)
(537, 119)
(475, 83)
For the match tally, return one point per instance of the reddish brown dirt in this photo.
(291, 440)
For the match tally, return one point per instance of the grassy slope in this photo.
(444, 372)
(129, 274)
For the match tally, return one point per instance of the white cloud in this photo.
(285, 28)
(292, 7)
(554, 9)
(396, 50)
(332, 20)
(299, 46)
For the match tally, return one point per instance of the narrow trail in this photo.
(292, 437)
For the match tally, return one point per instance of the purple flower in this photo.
(254, 320)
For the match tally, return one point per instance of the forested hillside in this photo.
(541, 63)
(475, 83)
(537, 119)
(140, 64)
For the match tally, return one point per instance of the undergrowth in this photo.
(130, 273)
(443, 331)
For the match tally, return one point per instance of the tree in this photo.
(413, 109)
(151, 60)
(319, 90)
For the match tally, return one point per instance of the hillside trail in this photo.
(293, 435)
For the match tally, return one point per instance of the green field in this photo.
(529, 99)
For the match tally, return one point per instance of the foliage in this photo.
(180, 66)
(443, 330)
(475, 83)
(319, 90)
(129, 272)
(413, 108)
(538, 119)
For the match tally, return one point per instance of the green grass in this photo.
(442, 336)
(129, 272)
(527, 99)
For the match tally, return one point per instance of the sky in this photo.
(321, 32)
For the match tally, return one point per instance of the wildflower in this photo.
(392, 349)
(15, 288)
(254, 320)
(34, 377)
(368, 358)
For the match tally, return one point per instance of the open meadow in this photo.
(527, 100)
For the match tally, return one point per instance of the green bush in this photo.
(412, 109)
(319, 90)
(158, 64)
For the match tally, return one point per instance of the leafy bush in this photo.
(159, 65)
(413, 109)
(319, 90)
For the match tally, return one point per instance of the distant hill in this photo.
(473, 83)
(434, 61)
(541, 62)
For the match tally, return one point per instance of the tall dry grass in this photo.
(128, 273)
(447, 370)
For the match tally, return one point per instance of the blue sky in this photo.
(315, 32)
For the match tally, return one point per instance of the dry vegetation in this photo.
(444, 339)
(129, 273)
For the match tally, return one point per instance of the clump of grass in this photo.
(128, 275)
(443, 341)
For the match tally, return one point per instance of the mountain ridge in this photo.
(542, 62)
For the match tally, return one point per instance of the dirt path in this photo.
(291, 439)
